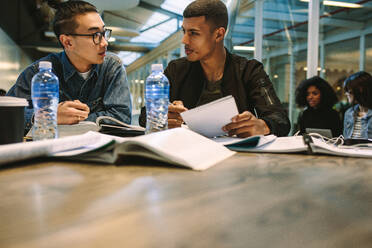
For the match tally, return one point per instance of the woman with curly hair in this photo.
(318, 97)
(358, 118)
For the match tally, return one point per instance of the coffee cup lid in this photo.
(11, 101)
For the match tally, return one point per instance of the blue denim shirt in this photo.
(366, 131)
(105, 91)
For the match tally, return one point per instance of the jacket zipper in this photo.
(266, 93)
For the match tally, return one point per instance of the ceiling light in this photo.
(9, 66)
(244, 48)
(121, 31)
(49, 34)
(338, 4)
(318, 69)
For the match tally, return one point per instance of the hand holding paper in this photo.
(209, 118)
(246, 125)
(174, 117)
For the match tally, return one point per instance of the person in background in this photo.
(210, 72)
(342, 105)
(358, 118)
(2, 92)
(318, 97)
(92, 82)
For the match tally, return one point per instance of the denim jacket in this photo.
(366, 131)
(105, 91)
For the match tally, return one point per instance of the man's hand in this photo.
(71, 112)
(245, 125)
(174, 117)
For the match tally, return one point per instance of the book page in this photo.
(33, 149)
(282, 145)
(321, 147)
(74, 129)
(209, 119)
(101, 119)
(100, 141)
(257, 140)
(179, 146)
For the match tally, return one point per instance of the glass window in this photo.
(368, 64)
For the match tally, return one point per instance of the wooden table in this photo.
(249, 200)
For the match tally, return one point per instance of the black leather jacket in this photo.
(244, 79)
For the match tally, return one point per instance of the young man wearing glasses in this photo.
(92, 82)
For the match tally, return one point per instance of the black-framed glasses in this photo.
(97, 37)
(348, 93)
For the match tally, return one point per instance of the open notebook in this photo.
(293, 144)
(103, 124)
(179, 146)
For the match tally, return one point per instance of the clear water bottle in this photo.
(45, 96)
(157, 99)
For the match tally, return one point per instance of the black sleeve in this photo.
(264, 99)
(336, 124)
(142, 117)
(300, 123)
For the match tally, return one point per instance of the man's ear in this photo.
(220, 34)
(66, 41)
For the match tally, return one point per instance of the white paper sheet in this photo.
(209, 119)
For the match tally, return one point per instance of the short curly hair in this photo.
(328, 96)
(360, 85)
(215, 12)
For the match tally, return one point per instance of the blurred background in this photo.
(147, 32)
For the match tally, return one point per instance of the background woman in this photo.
(358, 118)
(318, 97)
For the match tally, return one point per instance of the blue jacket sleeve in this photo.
(116, 99)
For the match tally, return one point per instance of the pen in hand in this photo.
(72, 112)
(255, 113)
(174, 117)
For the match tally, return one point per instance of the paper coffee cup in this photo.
(12, 119)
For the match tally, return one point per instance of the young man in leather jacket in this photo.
(209, 71)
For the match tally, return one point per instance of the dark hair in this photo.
(215, 12)
(360, 85)
(2, 92)
(327, 95)
(64, 18)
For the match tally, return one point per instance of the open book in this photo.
(103, 124)
(306, 143)
(179, 146)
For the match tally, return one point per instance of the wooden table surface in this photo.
(249, 200)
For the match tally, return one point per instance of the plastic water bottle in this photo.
(157, 99)
(45, 96)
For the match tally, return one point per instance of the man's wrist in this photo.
(266, 129)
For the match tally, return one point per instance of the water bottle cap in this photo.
(157, 67)
(45, 64)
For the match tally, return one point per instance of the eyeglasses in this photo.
(97, 37)
(348, 93)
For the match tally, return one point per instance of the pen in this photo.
(255, 113)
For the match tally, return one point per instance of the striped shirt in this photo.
(357, 131)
